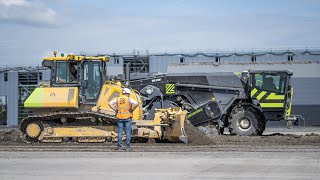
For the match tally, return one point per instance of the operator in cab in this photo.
(124, 106)
(72, 73)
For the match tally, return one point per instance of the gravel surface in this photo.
(10, 141)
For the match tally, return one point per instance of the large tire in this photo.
(246, 121)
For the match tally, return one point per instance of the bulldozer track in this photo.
(47, 120)
(53, 120)
(105, 117)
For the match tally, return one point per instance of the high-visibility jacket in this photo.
(124, 108)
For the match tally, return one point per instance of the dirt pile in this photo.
(265, 140)
(197, 137)
(10, 136)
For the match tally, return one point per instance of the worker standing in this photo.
(124, 106)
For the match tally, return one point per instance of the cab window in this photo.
(62, 74)
(274, 82)
(93, 80)
(66, 72)
(115, 94)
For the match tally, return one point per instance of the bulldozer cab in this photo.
(273, 91)
(85, 72)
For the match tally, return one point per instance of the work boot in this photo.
(128, 148)
(119, 148)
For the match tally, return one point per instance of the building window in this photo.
(5, 76)
(40, 76)
(217, 59)
(290, 57)
(253, 58)
(116, 60)
(3, 110)
(181, 59)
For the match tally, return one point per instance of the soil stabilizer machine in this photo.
(73, 106)
(241, 101)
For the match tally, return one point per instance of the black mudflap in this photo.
(205, 113)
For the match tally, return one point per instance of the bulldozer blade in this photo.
(183, 139)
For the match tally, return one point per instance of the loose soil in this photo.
(196, 138)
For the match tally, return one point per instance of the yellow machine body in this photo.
(61, 116)
(72, 57)
(111, 90)
(53, 97)
(168, 124)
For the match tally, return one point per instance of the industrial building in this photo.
(17, 83)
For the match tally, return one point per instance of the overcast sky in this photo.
(31, 29)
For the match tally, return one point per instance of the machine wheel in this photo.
(32, 130)
(245, 121)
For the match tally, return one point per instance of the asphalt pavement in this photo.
(293, 164)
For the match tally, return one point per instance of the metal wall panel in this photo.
(299, 70)
(310, 113)
(159, 63)
(306, 91)
(13, 96)
(45, 74)
(113, 67)
(3, 86)
(113, 62)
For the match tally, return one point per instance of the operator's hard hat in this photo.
(126, 91)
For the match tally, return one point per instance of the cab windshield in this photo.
(274, 82)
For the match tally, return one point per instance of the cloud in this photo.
(24, 12)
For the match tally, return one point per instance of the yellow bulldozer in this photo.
(74, 106)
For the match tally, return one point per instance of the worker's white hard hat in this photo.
(126, 91)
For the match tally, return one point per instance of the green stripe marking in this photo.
(170, 89)
(253, 92)
(261, 95)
